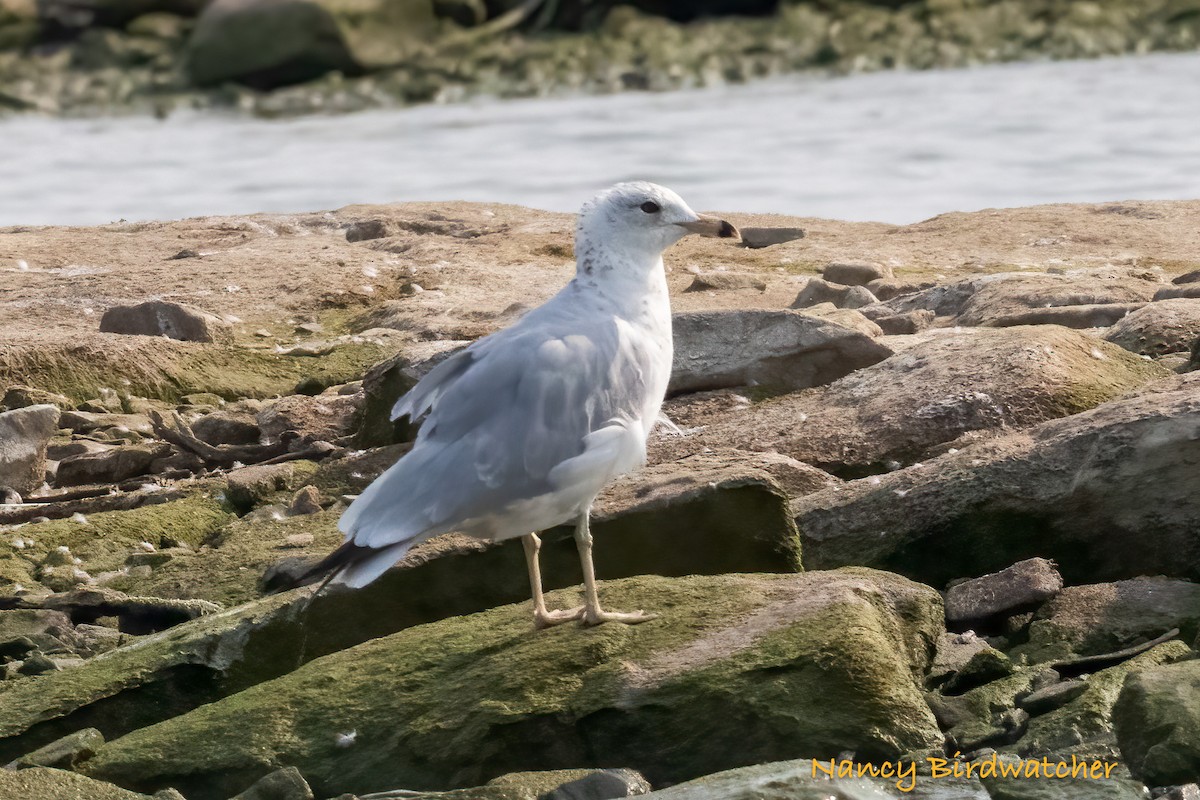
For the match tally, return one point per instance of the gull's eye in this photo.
(651, 207)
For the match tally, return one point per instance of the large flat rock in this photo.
(1109, 493)
(738, 669)
(945, 384)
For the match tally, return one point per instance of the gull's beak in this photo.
(711, 226)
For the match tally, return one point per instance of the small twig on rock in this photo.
(500, 24)
(1077, 666)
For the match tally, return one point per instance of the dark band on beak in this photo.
(712, 226)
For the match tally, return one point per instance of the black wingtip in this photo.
(328, 567)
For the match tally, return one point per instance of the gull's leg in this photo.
(592, 613)
(541, 617)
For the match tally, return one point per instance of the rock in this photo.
(856, 273)
(817, 291)
(1000, 296)
(850, 318)
(269, 43)
(756, 238)
(1084, 780)
(889, 288)
(1187, 277)
(1076, 490)
(384, 384)
(247, 487)
(605, 784)
(1157, 718)
(984, 666)
(1168, 326)
(227, 427)
(939, 388)
(1188, 290)
(1054, 696)
(809, 780)
(88, 422)
(1099, 315)
(110, 466)
(703, 515)
(24, 396)
(1100, 618)
(306, 500)
(725, 281)
(24, 434)
(44, 629)
(325, 417)
(160, 318)
(16, 648)
(777, 349)
(903, 324)
(56, 784)
(1012, 588)
(954, 651)
(282, 784)
(66, 752)
(37, 664)
(674, 699)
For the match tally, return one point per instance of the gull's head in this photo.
(644, 217)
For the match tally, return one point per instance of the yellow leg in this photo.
(541, 617)
(592, 613)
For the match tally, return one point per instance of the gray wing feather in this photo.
(500, 416)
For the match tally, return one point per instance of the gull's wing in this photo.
(510, 420)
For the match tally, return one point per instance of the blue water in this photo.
(895, 147)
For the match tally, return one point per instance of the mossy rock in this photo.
(40, 783)
(1089, 716)
(805, 779)
(164, 369)
(1104, 617)
(1157, 719)
(106, 539)
(737, 669)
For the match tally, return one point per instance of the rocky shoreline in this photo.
(282, 59)
(932, 509)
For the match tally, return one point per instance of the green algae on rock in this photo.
(104, 540)
(738, 668)
(41, 783)
(1157, 719)
(166, 369)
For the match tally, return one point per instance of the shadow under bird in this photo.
(523, 428)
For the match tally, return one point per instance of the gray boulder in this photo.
(1167, 326)
(945, 384)
(776, 349)
(819, 290)
(997, 298)
(1157, 718)
(676, 698)
(24, 435)
(267, 43)
(160, 318)
(1103, 617)
(110, 466)
(856, 273)
(1024, 583)
(1108, 493)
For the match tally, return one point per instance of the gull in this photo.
(523, 428)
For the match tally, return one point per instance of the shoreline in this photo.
(140, 70)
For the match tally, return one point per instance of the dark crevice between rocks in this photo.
(188, 686)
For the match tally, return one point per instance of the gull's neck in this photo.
(630, 279)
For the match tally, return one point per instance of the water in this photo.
(895, 147)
